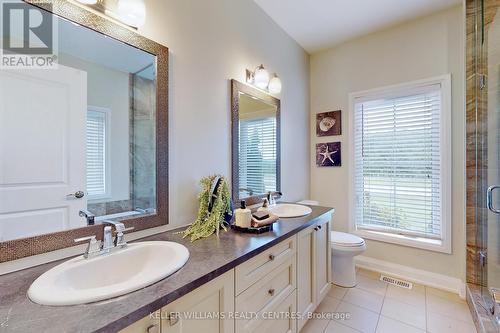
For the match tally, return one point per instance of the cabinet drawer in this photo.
(277, 318)
(261, 265)
(277, 284)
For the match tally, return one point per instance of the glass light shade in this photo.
(132, 12)
(261, 77)
(274, 85)
(87, 2)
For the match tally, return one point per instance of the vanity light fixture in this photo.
(261, 79)
(274, 84)
(132, 12)
(129, 12)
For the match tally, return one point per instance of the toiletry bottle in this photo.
(243, 216)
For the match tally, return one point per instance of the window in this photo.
(402, 164)
(97, 128)
(257, 156)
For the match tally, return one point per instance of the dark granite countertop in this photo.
(208, 259)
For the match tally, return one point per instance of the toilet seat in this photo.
(343, 239)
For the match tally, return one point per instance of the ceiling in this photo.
(320, 24)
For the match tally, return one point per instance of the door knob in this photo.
(76, 195)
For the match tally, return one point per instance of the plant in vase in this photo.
(215, 209)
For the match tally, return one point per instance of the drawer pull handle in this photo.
(153, 329)
(319, 227)
(271, 292)
(173, 318)
(316, 228)
(271, 257)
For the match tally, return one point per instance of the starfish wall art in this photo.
(328, 154)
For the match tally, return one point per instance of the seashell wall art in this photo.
(329, 123)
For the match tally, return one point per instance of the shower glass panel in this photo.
(487, 69)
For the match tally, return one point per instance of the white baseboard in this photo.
(415, 275)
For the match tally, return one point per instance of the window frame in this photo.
(107, 155)
(444, 244)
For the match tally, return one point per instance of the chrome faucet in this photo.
(88, 216)
(96, 248)
(271, 197)
(93, 247)
(119, 229)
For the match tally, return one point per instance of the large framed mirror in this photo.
(256, 161)
(85, 141)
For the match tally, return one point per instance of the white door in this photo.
(42, 150)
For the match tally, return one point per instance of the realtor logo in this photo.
(29, 36)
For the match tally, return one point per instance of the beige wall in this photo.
(211, 42)
(419, 49)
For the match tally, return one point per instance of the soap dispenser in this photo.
(243, 216)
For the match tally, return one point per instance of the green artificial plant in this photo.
(209, 222)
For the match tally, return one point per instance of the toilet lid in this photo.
(345, 239)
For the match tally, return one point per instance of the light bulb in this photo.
(274, 85)
(132, 12)
(261, 77)
(87, 2)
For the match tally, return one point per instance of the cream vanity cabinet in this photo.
(198, 311)
(314, 273)
(205, 309)
(260, 295)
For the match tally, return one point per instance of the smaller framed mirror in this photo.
(256, 161)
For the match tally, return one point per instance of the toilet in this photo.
(344, 248)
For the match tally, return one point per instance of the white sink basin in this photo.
(290, 210)
(79, 280)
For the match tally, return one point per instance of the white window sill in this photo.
(410, 241)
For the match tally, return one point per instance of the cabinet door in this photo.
(323, 259)
(145, 325)
(306, 284)
(205, 309)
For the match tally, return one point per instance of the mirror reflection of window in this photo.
(97, 152)
(257, 146)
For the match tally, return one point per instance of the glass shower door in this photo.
(488, 67)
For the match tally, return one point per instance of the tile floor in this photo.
(375, 306)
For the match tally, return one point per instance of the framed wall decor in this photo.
(328, 154)
(329, 123)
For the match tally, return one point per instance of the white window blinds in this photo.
(398, 163)
(96, 154)
(257, 164)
